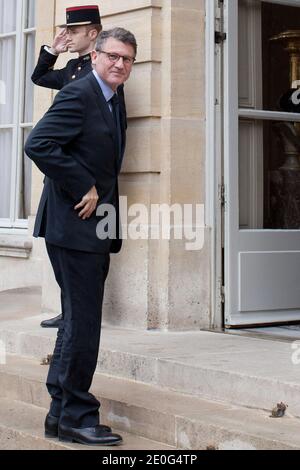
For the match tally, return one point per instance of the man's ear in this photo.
(93, 34)
(94, 57)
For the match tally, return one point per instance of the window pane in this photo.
(29, 66)
(269, 175)
(30, 14)
(8, 16)
(25, 180)
(5, 173)
(269, 54)
(7, 79)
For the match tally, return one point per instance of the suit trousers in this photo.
(81, 277)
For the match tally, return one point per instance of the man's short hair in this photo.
(120, 34)
(97, 27)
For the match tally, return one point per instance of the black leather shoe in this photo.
(51, 426)
(94, 436)
(52, 322)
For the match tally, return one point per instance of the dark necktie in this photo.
(116, 114)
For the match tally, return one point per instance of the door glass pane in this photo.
(269, 175)
(25, 180)
(269, 55)
(8, 16)
(7, 79)
(269, 151)
(5, 173)
(30, 14)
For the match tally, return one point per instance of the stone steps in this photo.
(241, 371)
(21, 428)
(187, 390)
(144, 414)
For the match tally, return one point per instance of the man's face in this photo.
(114, 73)
(79, 39)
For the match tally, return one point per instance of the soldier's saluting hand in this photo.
(60, 42)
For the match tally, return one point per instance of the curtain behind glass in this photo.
(7, 77)
(30, 14)
(26, 166)
(28, 84)
(8, 10)
(25, 180)
(27, 111)
(5, 173)
(8, 15)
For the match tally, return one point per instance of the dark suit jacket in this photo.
(76, 146)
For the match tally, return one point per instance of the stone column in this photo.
(183, 171)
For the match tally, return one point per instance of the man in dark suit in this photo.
(79, 145)
(78, 35)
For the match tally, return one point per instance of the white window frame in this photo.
(17, 126)
(214, 163)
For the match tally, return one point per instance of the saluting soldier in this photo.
(78, 35)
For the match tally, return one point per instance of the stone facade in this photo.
(152, 284)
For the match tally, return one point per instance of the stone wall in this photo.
(152, 284)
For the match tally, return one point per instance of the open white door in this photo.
(261, 173)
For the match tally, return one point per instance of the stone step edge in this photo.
(30, 435)
(258, 390)
(112, 406)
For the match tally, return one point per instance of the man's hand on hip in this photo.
(88, 204)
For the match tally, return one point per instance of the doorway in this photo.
(261, 162)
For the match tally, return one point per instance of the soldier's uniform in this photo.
(44, 74)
